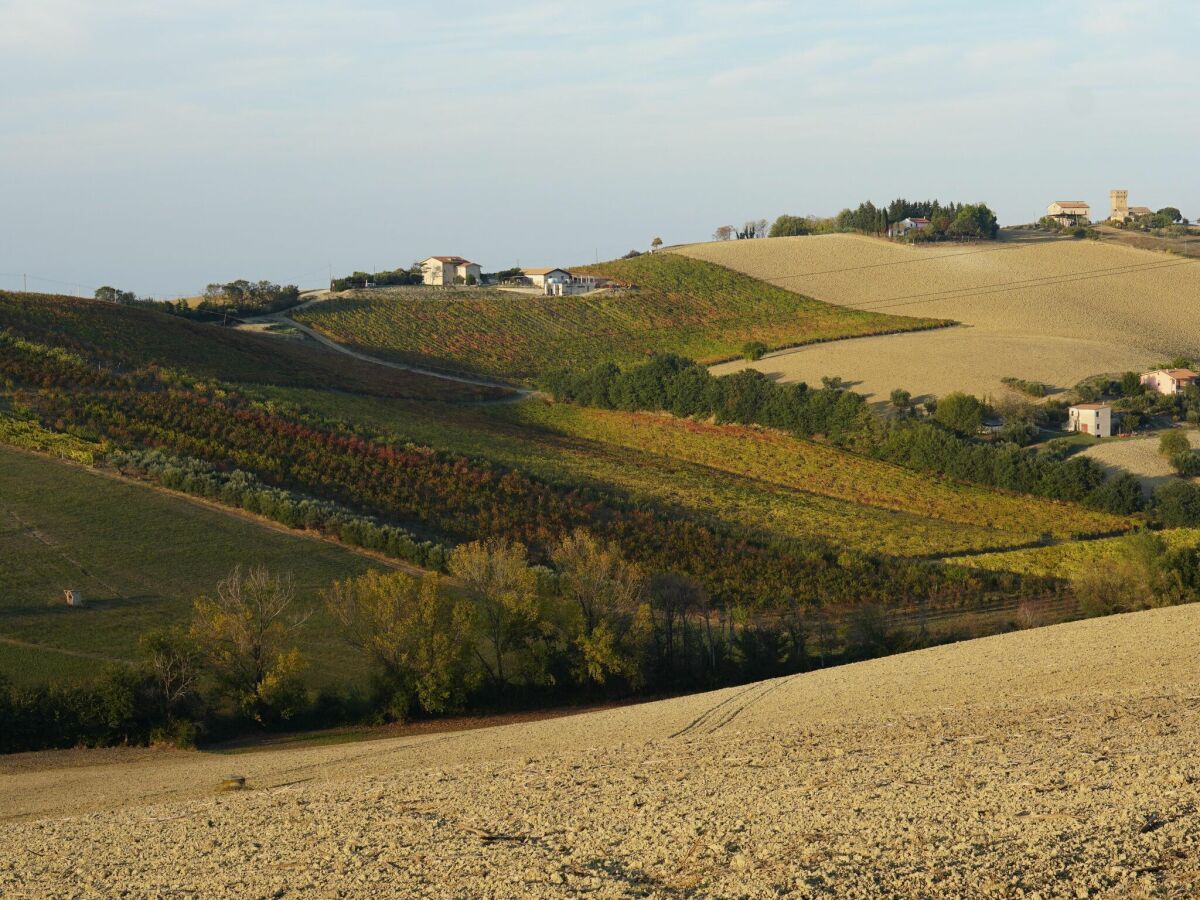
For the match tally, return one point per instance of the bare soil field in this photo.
(1032, 306)
(1140, 456)
(1053, 762)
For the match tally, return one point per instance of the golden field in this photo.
(1041, 308)
(1139, 456)
(1053, 762)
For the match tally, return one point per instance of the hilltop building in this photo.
(1121, 211)
(1118, 204)
(545, 276)
(1069, 212)
(1090, 418)
(912, 223)
(448, 270)
(1169, 381)
(556, 282)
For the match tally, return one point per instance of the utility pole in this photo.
(24, 283)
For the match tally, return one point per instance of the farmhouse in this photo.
(449, 269)
(545, 276)
(560, 282)
(1091, 418)
(1169, 381)
(1069, 212)
(912, 223)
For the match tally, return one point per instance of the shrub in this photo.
(1186, 465)
(1174, 443)
(1178, 504)
(753, 350)
(1030, 388)
(960, 412)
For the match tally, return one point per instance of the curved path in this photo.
(284, 318)
(1058, 761)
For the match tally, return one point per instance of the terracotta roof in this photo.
(918, 219)
(543, 270)
(1141, 210)
(1089, 406)
(1070, 204)
(1179, 374)
(457, 260)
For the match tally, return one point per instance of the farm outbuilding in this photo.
(73, 598)
(1091, 418)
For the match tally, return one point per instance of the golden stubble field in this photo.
(1055, 762)
(1040, 308)
(1140, 456)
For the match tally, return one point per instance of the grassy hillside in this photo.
(685, 306)
(129, 338)
(1046, 309)
(139, 556)
(1067, 560)
(761, 480)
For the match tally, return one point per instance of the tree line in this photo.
(945, 443)
(949, 221)
(499, 633)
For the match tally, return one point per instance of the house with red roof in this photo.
(450, 270)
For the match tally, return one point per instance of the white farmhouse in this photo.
(544, 277)
(912, 223)
(448, 270)
(579, 283)
(1091, 418)
(1169, 381)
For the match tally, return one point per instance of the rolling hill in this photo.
(1052, 762)
(129, 338)
(679, 305)
(763, 481)
(1045, 309)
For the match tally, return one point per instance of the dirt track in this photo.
(1056, 762)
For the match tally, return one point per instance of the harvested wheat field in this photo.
(1040, 308)
(1048, 763)
(1140, 456)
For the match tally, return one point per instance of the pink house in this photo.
(1169, 381)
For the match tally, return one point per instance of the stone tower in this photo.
(1119, 202)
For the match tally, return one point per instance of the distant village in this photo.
(1077, 213)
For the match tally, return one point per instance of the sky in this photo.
(161, 146)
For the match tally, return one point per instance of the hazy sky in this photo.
(158, 145)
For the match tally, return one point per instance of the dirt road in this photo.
(1054, 762)
(284, 318)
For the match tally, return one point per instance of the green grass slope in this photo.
(140, 557)
(673, 303)
(131, 338)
